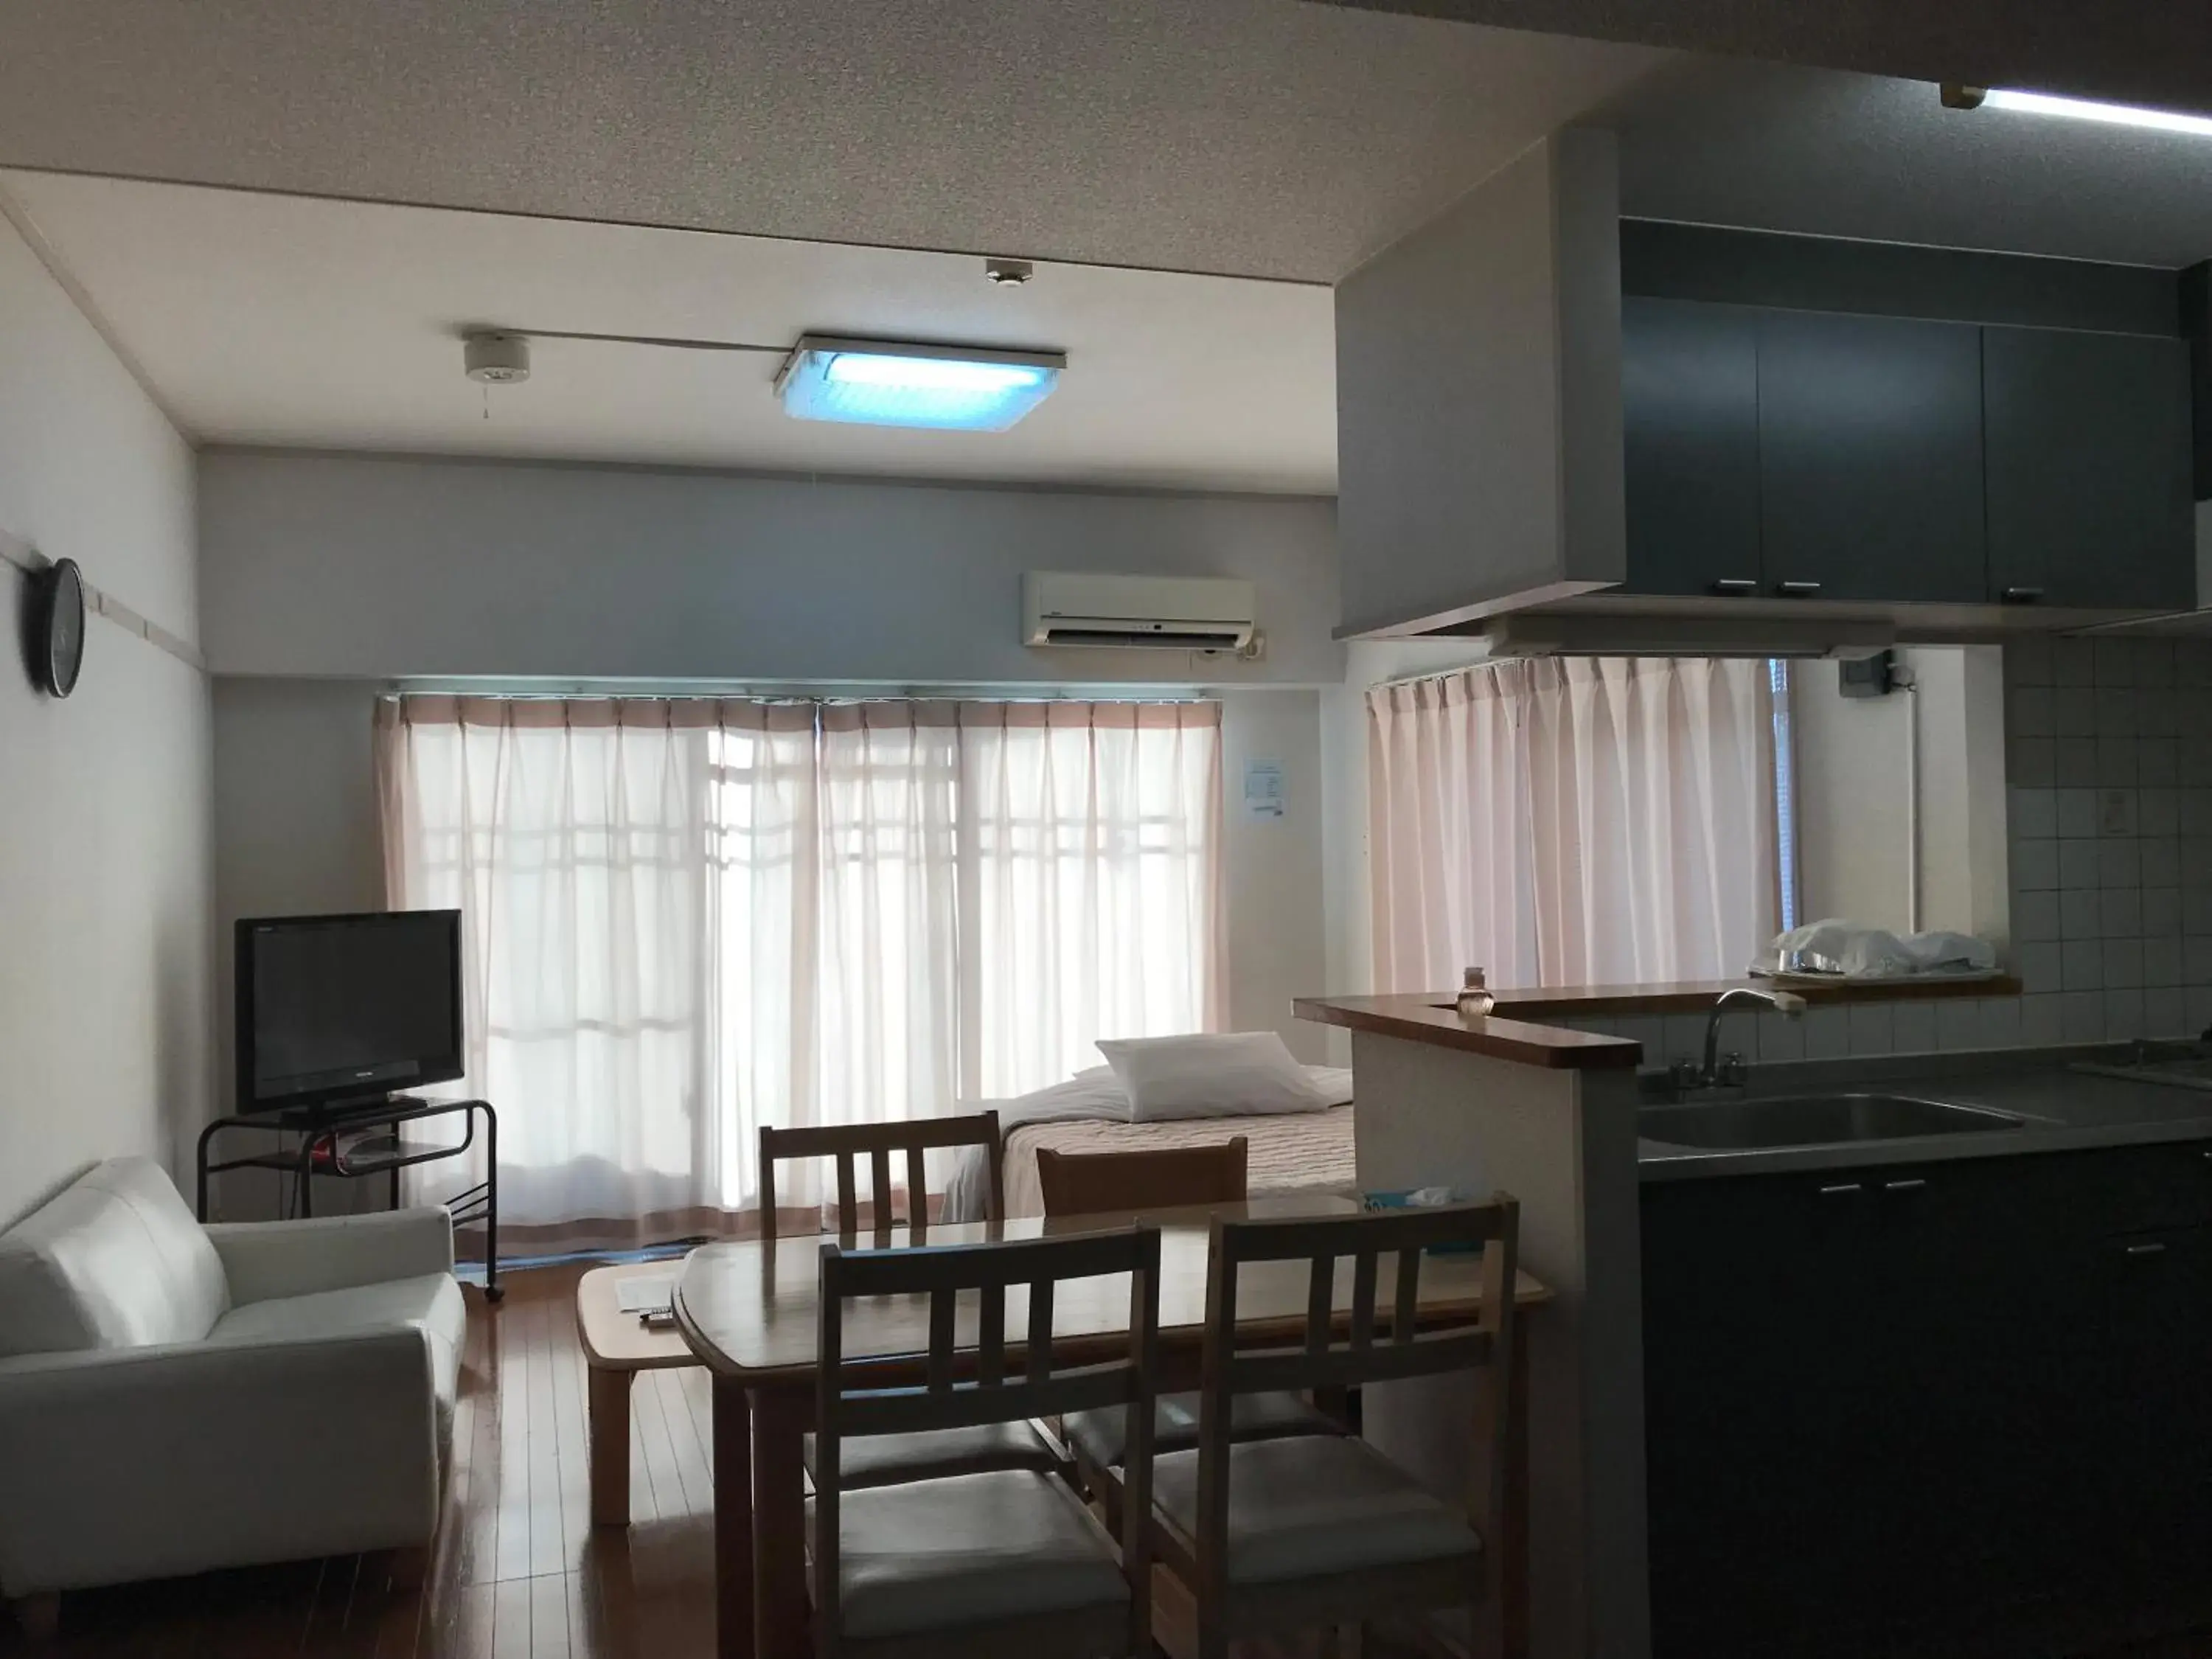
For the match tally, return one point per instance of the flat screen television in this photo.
(334, 1009)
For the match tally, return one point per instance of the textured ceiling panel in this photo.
(1256, 137)
(295, 321)
(1712, 141)
(2145, 51)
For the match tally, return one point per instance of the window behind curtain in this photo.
(687, 918)
(1573, 821)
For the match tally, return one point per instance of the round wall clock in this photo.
(57, 627)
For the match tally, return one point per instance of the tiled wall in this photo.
(2109, 768)
(2109, 761)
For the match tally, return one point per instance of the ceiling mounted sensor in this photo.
(496, 359)
(894, 383)
(1955, 96)
(1007, 273)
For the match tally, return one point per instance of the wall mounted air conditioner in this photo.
(1178, 613)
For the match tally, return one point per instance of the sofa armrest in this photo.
(127, 1463)
(265, 1258)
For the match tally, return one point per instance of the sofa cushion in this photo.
(431, 1303)
(115, 1261)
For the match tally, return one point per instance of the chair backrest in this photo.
(1099, 1183)
(914, 1137)
(114, 1261)
(1366, 1351)
(963, 1386)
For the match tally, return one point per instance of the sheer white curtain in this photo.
(1572, 820)
(684, 918)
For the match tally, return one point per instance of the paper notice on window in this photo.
(1263, 789)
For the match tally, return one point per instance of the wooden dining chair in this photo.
(912, 1140)
(1292, 1534)
(1097, 1183)
(915, 1456)
(1007, 1562)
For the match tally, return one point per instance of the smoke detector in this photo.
(496, 359)
(1008, 273)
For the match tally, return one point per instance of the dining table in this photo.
(750, 1309)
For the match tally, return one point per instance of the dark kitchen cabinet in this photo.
(1689, 383)
(1902, 1403)
(2090, 499)
(1870, 459)
(2155, 1496)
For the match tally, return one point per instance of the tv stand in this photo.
(320, 1152)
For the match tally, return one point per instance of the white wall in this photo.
(1478, 378)
(329, 577)
(1275, 866)
(105, 1012)
(366, 567)
(1854, 837)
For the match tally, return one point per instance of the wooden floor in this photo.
(519, 1572)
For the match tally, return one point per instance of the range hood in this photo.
(1550, 634)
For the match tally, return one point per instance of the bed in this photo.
(1285, 1152)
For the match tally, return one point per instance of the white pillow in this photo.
(1226, 1074)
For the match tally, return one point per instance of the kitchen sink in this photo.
(1813, 1121)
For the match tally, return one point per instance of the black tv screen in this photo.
(336, 1008)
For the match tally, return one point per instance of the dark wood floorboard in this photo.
(518, 1572)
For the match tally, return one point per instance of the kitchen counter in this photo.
(1430, 1018)
(2064, 1111)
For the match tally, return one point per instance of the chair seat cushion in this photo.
(431, 1302)
(1103, 1435)
(1314, 1505)
(971, 1549)
(882, 1459)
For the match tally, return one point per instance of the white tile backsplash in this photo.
(2109, 764)
(1780, 1038)
(1871, 1030)
(1958, 1023)
(1827, 1033)
(1913, 1027)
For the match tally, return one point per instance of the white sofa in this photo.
(175, 1398)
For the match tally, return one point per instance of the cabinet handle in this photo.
(1854, 1186)
(2146, 1250)
(2021, 596)
(1735, 588)
(1798, 590)
(1903, 1186)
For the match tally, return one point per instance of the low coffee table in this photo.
(617, 1347)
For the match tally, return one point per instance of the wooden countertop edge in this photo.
(1695, 997)
(1418, 1019)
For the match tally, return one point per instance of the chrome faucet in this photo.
(1728, 1073)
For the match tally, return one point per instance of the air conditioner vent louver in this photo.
(1141, 613)
(1170, 636)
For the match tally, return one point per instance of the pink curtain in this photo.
(1572, 820)
(688, 918)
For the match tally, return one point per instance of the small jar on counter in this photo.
(1475, 1002)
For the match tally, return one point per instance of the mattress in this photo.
(1285, 1152)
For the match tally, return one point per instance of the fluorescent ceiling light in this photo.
(2082, 109)
(886, 383)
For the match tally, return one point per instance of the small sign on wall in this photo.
(1263, 789)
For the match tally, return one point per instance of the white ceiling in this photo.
(1718, 142)
(293, 321)
(1250, 137)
